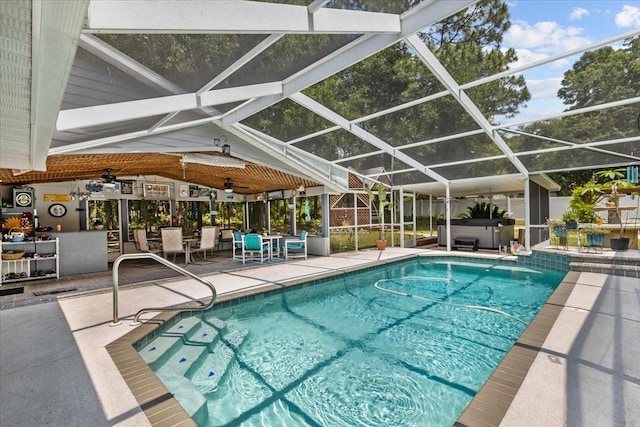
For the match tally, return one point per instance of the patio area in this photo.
(60, 372)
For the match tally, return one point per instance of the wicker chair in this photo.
(226, 236)
(172, 242)
(208, 241)
(143, 245)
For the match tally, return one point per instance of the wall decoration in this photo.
(126, 187)
(156, 190)
(57, 197)
(23, 197)
(57, 210)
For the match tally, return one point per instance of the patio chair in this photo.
(172, 242)
(226, 236)
(208, 241)
(295, 248)
(254, 248)
(143, 245)
(237, 244)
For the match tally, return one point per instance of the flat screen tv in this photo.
(274, 195)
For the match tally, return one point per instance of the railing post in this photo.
(116, 321)
(116, 264)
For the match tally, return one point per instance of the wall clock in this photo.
(23, 199)
(57, 210)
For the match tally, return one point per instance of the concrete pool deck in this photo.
(55, 368)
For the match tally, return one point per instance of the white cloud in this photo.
(526, 56)
(545, 37)
(544, 88)
(629, 17)
(577, 13)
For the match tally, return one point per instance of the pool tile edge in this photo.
(155, 400)
(478, 413)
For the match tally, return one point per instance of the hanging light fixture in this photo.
(77, 194)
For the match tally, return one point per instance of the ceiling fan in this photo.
(108, 178)
(107, 181)
(229, 186)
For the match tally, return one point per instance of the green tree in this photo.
(600, 76)
(468, 44)
(603, 75)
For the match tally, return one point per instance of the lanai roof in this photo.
(73, 98)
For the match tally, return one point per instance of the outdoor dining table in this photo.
(274, 246)
(188, 241)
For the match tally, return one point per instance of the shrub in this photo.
(483, 210)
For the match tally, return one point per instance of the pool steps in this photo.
(621, 263)
(629, 267)
(193, 356)
(208, 370)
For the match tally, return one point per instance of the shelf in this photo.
(621, 208)
(27, 279)
(28, 259)
(27, 242)
(622, 191)
(29, 264)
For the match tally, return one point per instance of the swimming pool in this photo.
(408, 344)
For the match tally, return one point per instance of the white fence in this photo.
(515, 207)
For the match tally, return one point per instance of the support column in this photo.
(325, 215)
(355, 221)
(401, 200)
(431, 215)
(447, 204)
(527, 215)
(292, 216)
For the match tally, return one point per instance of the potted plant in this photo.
(613, 178)
(584, 201)
(97, 224)
(620, 243)
(558, 227)
(612, 181)
(616, 185)
(381, 243)
(595, 236)
(570, 219)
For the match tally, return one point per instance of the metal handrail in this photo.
(116, 264)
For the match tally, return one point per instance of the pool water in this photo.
(407, 344)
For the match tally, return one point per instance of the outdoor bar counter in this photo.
(82, 251)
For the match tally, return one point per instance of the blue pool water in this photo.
(407, 344)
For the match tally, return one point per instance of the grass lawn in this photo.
(343, 240)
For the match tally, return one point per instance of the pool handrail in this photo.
(116, 265)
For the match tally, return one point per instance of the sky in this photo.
(543, 28)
